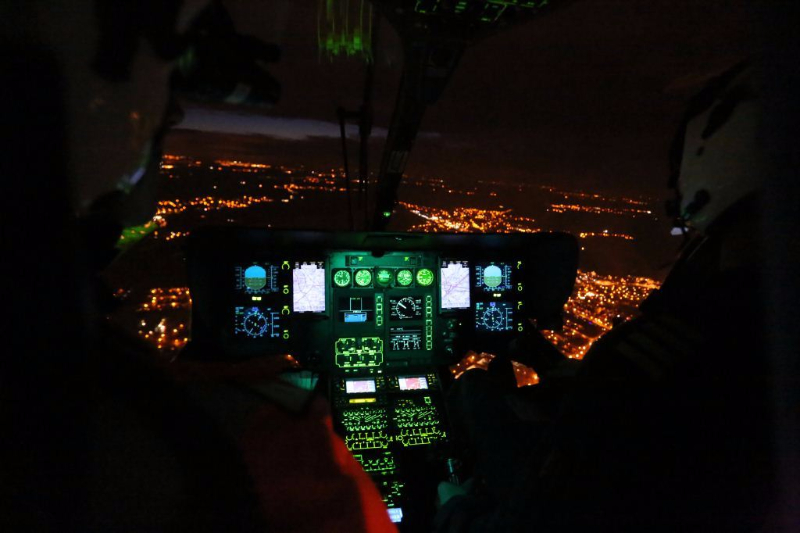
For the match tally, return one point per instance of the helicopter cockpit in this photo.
(377, 318)
(212, 273)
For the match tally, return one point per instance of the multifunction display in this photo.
(257, 278)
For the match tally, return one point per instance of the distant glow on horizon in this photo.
(280, 128)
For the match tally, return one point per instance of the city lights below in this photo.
(469, 220)
(595, 210)
(598, 303)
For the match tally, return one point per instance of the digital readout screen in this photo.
(355, 310)
(396, 515)
(413, 383)
(404, 339)
(359, 386)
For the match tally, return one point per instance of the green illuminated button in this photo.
(424, 277)
(383, 276)
(341, 278)
(404, 277)
(363, 278)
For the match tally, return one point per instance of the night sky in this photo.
(587, 97)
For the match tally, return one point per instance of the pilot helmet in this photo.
(116, 59)
(716, 158)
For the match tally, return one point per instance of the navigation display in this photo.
(257, 322)
(494, 316)
(308, 287)
(258, 278)
(413, 383)
(359, 386)
(405, 339)
(455, 285)
(493, 277)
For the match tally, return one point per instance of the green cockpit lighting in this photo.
(424, 277)
(405, 277)
(384, 277)
(363, 278)
(342, 278)
(344, 28)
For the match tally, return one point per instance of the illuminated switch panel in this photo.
(420, 436)
(376, 462)
(367, 440)
(365, 352)
(364, 419)
(407, 414)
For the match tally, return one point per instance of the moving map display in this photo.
(308, 287)
(455, 285)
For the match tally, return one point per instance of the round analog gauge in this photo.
(404, 277)
(383, 277)
(493, 319)
(255, 324)
(341, 278)
(424, 277)
(363, 278)
(406, 308)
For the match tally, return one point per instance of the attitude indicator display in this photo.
(493, 277)
(258, 278)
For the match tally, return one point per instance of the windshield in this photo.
(561, 123)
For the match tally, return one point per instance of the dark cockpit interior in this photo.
(400, 265)
(377, 318)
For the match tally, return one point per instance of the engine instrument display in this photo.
(405, 339)
(405, 308)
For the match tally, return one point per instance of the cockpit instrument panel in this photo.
(365, 303)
